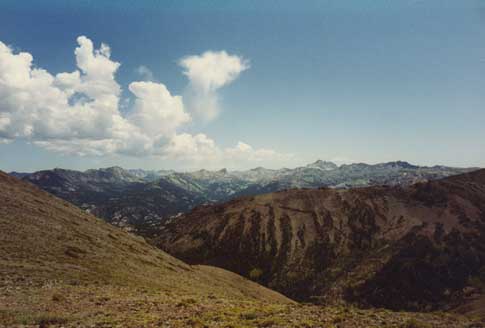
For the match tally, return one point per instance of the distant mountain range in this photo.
(139, 200)
(419, 247)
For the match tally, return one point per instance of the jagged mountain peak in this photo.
(113, 169)
(113, 173)
(400, 164)
(323, 165)
(110, 169)
(139, 199)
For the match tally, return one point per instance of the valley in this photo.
(62, 267)
(242, 164)
(139, 200)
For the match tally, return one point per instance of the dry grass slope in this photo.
(60, 267)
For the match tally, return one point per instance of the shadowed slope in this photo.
(404, 248)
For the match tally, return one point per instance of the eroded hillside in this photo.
(418, 248)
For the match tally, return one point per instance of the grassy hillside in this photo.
(52, 251)
(60, 267)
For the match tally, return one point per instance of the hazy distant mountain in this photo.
(150, 175)
(142, 206)
(118, 196)
(138, 199)
(419, 247)
(19, 175)
(224, 184)
(323, 165)
(84, 188)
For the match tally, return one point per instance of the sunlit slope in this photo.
(48, 246)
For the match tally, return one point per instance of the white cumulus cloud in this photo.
(244, 152)
(79, 113)
(207, 73)
(156, 111)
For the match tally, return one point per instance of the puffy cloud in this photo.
(38, 105)
(343, 160)
(79, 113)
(207, 73)
(200, 150)
(194, 148)
(244, 152)
(69, 82)
(212, 70)
(97, 68)
(156, 111)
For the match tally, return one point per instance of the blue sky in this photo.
(366, 81)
